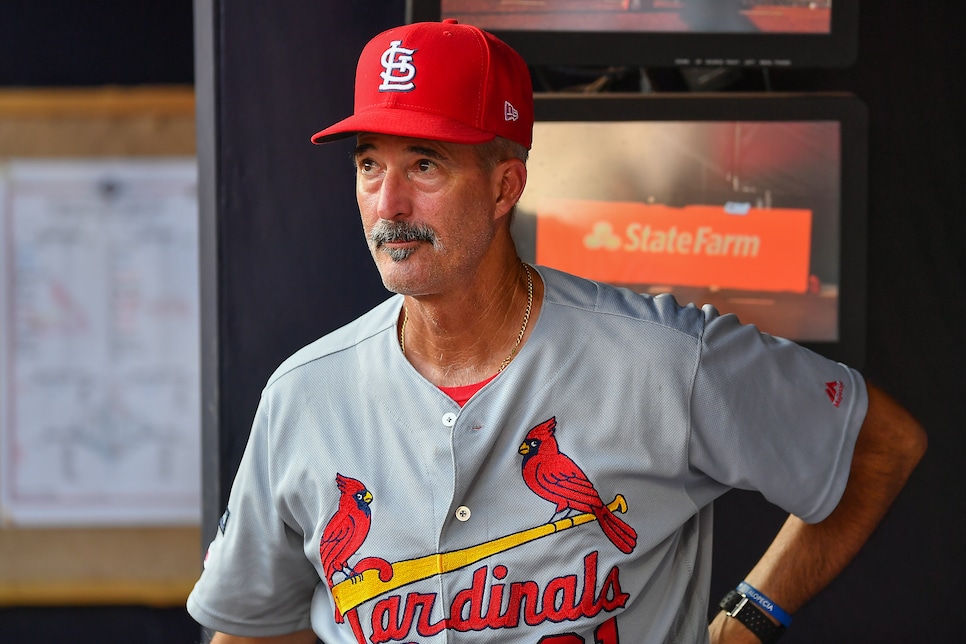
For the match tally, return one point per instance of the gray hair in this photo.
(500, 149)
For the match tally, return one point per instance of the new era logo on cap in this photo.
(510, 113)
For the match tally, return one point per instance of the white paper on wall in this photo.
(100, 343)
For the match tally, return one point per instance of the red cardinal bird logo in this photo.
(347, 528)
(553, 476)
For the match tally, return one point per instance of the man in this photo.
(503, 452)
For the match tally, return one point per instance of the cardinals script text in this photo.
(564, 598)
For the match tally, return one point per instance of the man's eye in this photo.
(425, 165)
(366, 165)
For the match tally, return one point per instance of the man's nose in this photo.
(393, 201)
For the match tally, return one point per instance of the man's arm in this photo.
(804, 558)
(302, 637)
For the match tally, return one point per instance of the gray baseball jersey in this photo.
(569, 500)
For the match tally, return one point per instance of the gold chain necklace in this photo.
(523, 329)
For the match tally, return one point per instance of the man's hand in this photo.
(804, 558)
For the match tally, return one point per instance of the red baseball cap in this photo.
(443, 81)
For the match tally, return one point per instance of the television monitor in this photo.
(664, 33)
(754, 204)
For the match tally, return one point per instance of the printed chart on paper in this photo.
(100, 348)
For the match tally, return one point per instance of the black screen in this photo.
(668, 33)
(754, 204)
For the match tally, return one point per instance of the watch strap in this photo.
(755, 620)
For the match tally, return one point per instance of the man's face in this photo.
(427, 209)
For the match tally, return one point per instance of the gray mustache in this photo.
(398, 231)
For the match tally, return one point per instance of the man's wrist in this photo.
(763, 602)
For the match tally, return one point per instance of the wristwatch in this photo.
(744, 610)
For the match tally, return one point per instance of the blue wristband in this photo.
(762, 602)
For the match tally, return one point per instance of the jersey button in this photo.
(449, 419)
(463, 513)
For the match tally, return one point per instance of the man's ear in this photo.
(511, 176)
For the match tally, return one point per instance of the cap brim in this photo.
(406, 123)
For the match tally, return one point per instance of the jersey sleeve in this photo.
(770, 415)
(256, 581)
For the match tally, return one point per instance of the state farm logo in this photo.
(644, 238)
(602, 236)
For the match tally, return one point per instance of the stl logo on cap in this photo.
(400, 71)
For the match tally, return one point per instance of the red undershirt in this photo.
(463, 393)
